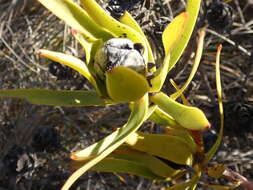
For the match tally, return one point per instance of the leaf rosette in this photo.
(118, 59)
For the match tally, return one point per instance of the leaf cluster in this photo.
(159, 157)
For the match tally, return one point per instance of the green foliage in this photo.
(124, 84)
(193, 10)
(129, 20)
(173, 32)
(126, 150)
(151, 144)
(154, 168)
(56, 97)
(114, 140)
(215, 147)
(187, 116)
(77, 18)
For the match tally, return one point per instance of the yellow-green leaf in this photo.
(154, 164)
(138, 158)
(163, 118)
(90, 48)
(160, 76)
(195, 64)
(193, 10)
(110, 164)
(70, 61)
(98, 147)
(76, 17)
(55, 97)
(210, 154)
(181, 186)
(125, 85)
(188, 185)
(187, 116)
(174, 31)
(164, 146)
(117, 28)
(183, 98)
(129, 20)
(182, 133)
(216, 171)
(136, 119)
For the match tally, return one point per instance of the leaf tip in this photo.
(41, 52)
(73, 156)
(207, 127)
(74, 32)
(185, 14)
(219, 48)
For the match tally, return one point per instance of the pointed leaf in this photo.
(138, 158)
(89, 47)
(174, 31)
(182, 133)
(163, 118)
(181, 186)
(118, 29)
(110, 164)
(125, 85)
(184, 100)
(216, 171)
(216, 145)
(70, 61)
(129, 20)
(187, 116)
(95, 149)
(55, 97)
(76, 17)
(193, 10)
(126, 166)
(164, 146)
(189, 185)
(98, 147)
(195, 64)
(154, 164)
(136, 119)
(160, 76)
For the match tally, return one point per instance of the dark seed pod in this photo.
(239, 114)
(119, 52)
(46, 139)
(209, 138)
(18, 160)
(219, 16)
(60, 71)
(118, 7)
(139, 48)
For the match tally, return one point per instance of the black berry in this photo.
(118, 7)
(209, 138)
(60, 71)
(46, 139)
(219, 16)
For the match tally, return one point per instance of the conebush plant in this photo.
(121, 67)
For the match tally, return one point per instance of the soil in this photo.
(35, 141)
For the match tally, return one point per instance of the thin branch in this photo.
(242, 49)
(236, 177)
